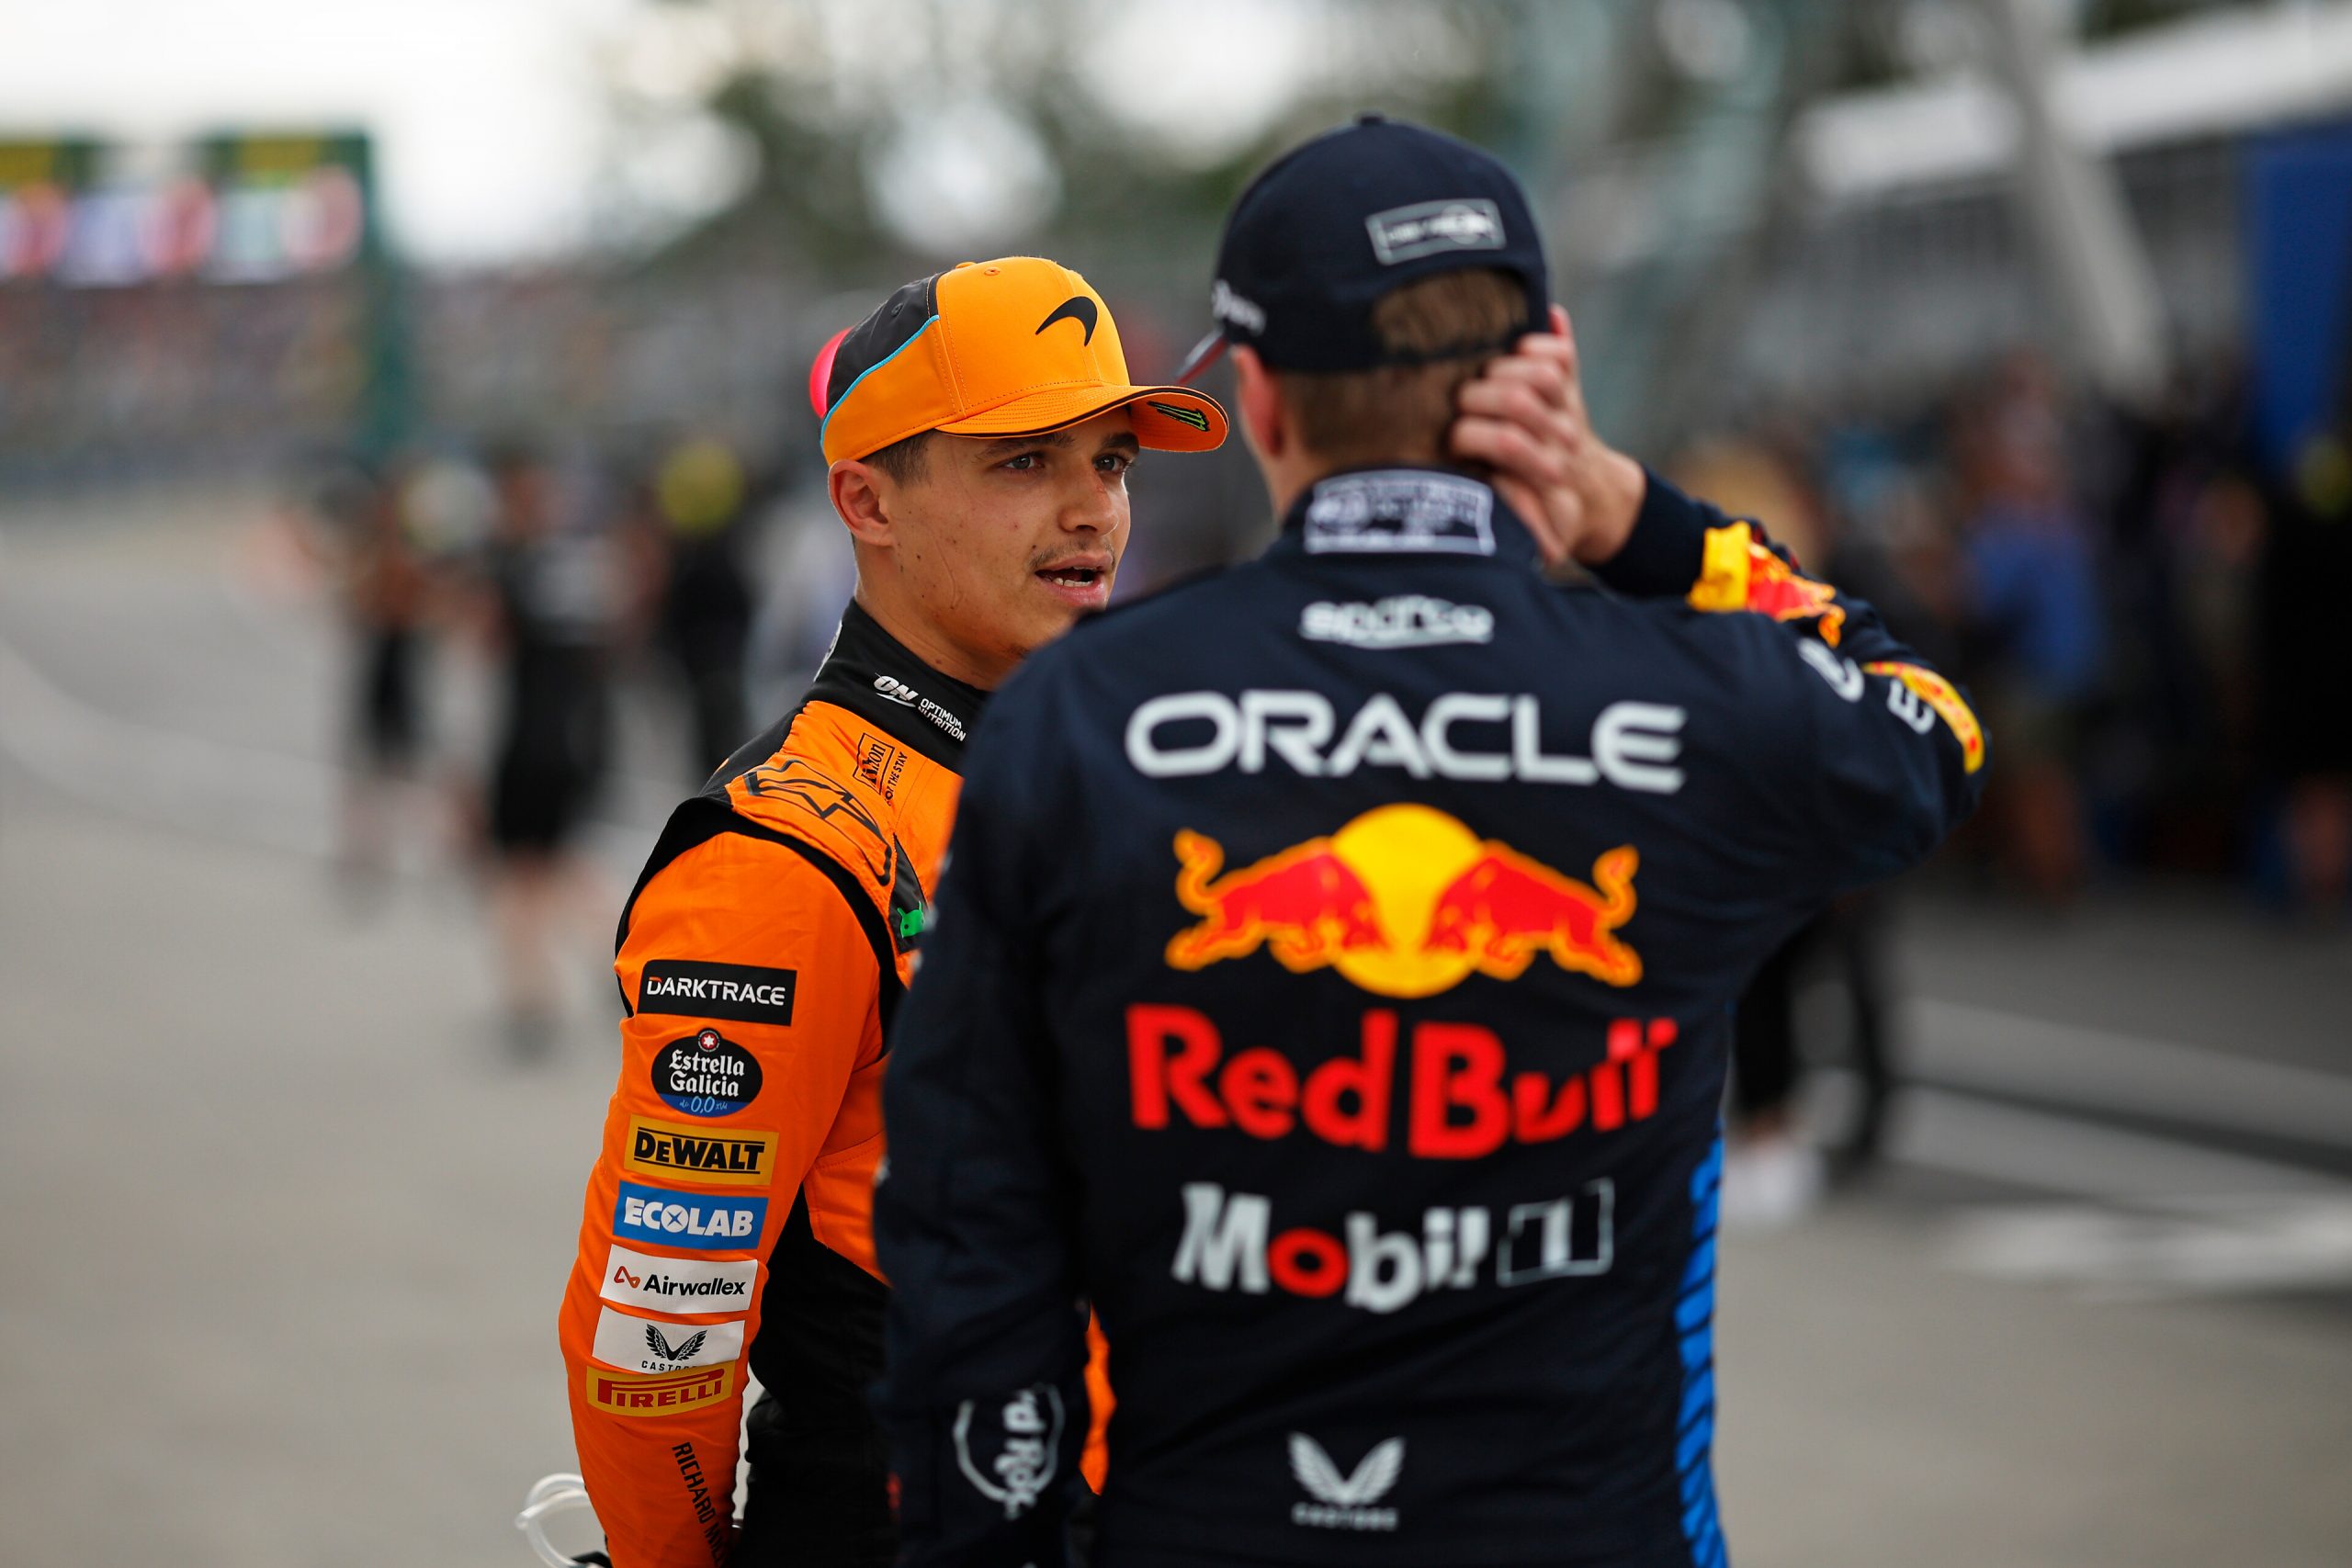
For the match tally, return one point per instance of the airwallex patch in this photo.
(705, 1074)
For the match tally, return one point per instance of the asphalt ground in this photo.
(289, 1230)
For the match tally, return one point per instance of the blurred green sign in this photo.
(229, 209)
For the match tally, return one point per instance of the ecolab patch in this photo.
(705, 1222)
(664, 1393)
(698, 1154)
(658, 1345)
(743, 993)
(678, 1284)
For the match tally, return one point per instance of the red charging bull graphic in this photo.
(1741, 573)
(1406, 901)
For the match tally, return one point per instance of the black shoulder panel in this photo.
(704, 817)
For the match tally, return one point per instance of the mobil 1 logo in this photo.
(705, 1074)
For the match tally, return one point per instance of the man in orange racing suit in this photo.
(775, 925)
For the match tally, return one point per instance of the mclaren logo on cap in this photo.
(1077, 308)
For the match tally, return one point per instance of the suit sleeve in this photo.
(985, 1399)
(752, 992)
(1876, 756)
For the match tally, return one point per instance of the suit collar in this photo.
(875, 676)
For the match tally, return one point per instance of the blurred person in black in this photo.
(697, 506)
(2306, 744)
(550, 612)
(383, 588)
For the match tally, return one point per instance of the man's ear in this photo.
(857, 491)
(1264, 419)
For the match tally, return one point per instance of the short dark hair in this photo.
(1400, 413)
(904, 460)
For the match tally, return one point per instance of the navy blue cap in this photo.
(1333, 225)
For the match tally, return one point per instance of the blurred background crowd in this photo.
(483, 332)
(2025, 319)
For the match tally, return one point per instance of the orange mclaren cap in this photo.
(1015, 346)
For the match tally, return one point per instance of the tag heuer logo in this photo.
(1344, 1501)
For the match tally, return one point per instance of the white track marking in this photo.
(1976, 1047)
(2062, 1155)
(2216, 1247)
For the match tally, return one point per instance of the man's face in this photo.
(1005, 543)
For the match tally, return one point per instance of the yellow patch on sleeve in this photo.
(1939, 694)
(1724, 569)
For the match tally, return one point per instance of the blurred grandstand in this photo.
(2030, 314)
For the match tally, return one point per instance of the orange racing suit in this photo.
(728, 1220)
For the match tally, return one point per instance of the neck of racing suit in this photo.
(875, 676)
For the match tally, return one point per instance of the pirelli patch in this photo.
(687, 988)
(663, 1393)
(698, 1154)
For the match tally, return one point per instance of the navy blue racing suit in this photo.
(1332, 985)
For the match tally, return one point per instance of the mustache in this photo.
(1106, 561)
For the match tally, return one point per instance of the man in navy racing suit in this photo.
(1333, 982)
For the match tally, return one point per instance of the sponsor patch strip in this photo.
(679, 1284)
(663, 1345)
(705, 1074)
(700, 1154)
(744, 993)
(705, 1222)
(666, 1394)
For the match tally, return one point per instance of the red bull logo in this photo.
(1406, 901)
(1452, 1082)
